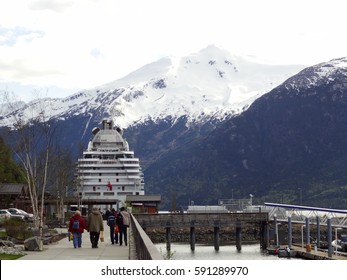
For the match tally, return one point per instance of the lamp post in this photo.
(276, 230)
(250, 199)
(336, 229)
(300, 190)
(302, 236)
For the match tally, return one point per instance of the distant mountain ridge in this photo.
(292, 137)
(211, 125)
(210, 83)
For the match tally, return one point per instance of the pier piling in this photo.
(289, 231)
(330, 249)
(264, 235)
(238, 236)
(318, 232)
(168, 237)
(216, 236)
(196, 221)
(192, 236)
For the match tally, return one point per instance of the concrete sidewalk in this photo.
(64, 250)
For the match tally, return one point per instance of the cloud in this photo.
(25, 70)
(58, 6)
(10, 36)
(86, 43)
(26, 92)
(96, 53)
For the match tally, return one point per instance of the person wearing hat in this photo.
(76, 227)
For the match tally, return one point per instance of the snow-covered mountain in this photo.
(210, 83)
(295, 135)
(6, 108)
(317, 75)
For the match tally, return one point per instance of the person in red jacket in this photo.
(76, 226)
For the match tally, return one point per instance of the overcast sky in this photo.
(56, 47)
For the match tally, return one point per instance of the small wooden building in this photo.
(148, 203)
(14, 196)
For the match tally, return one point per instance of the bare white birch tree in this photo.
(31, 144)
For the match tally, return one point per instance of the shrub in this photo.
(17, 228)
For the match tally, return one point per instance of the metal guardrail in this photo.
(299, 213)
(145, 248)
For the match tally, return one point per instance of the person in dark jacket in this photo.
(95, 224)
(107, 213)
(76, 227)
(111, 222)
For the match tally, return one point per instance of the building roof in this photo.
(144, 198)
(12, 189)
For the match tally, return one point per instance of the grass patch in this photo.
(4, 257)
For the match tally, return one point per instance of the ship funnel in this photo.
(107, 124)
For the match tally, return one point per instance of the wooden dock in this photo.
(318, 254)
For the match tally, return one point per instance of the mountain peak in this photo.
(319, 74)
(209, 83)
(338, 62)
(328, 68)
(211, 50)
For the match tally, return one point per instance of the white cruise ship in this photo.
(108, 171)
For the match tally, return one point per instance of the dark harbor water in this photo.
(181, 251)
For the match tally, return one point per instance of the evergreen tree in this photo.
(10, 172)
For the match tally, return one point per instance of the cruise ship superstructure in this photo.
(108, 171)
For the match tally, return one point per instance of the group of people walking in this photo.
(117, 221)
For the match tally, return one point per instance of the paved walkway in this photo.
(64, 250)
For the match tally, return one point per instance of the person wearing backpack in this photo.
(123, 222)
(111, 222)
(76, 227)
